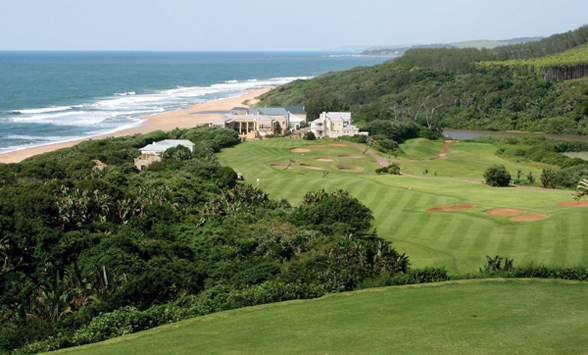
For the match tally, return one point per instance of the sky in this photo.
(274, 25)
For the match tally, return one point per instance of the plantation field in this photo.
(581, 155)
(459, 240)
(492, 316)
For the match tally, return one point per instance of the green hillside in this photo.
(428, 89)
(468, 317)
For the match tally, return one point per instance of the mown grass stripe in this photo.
(460, 232)
(481, 240)
(559, 231)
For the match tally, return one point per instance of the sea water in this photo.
(48, 97)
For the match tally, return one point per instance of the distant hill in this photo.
(489, 44)
(521, 40)
(397, 51)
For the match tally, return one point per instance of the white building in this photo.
(157, 148)
(151, 153)
(333, 125)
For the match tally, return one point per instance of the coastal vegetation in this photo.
(459, 88)
(92, 253)
(92, 248)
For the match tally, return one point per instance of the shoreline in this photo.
(186, 118)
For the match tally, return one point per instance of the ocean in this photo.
(49, 97)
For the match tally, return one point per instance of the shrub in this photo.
(393, 169)
(497, 175)
(548, 178)
(125, 320)
(309, 136)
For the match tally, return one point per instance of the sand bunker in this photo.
(450, 208)
(350, 169)
(529, 217)
(503, 212)
(299, 150)
(323, 159)
(315, 146)
(338, 145)
(573, 203)
(350, 156)
(311, 167)
(282, 166)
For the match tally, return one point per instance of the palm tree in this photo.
(289, 164)
(370, 141)
(582, 189)
(52, 300)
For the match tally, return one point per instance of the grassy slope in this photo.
(459, 240)
(469, 317)
(465, 161)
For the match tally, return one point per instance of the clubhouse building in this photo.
(255, 123)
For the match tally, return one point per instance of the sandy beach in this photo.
(194, 116)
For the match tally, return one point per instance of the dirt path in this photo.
(383, 161)
(444, 151)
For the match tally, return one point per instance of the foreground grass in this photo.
(458, 240)
(468, 317)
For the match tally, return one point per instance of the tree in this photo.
(370, 141)
(497, 175)
(548, 178)
(179, 152)
(309, 136)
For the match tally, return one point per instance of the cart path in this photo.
(444, 151)
(383, 161)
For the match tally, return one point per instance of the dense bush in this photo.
(393, 169)
(90, 254)
(334, 213)
(497, 176)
